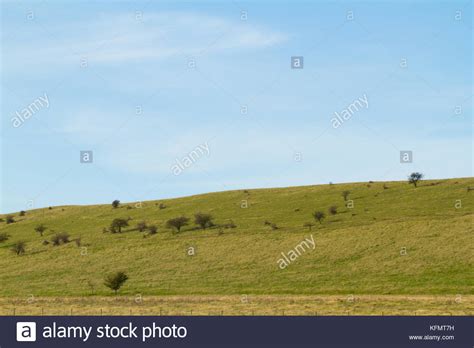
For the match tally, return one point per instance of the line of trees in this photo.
(201, 219)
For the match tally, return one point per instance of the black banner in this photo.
(350, 331)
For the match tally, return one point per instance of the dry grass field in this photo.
(241, 305)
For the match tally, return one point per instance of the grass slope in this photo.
(358, 251)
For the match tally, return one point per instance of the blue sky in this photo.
(144, 84)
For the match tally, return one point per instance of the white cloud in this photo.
(123, 38)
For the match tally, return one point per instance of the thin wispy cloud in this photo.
(154, 36)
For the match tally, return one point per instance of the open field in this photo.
(398, 242)
(241, 305)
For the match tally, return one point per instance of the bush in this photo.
(177, 223)
(332, 210)
(117, 225)
(345, 194)
(152, 229)
(309, 225)
(115, 204)
(19, 247)
(40, 229)
(4, 237)
(162, 206)
(9, 219)
(115, 281)
(319, 215)
(141, 226)
(274, 226)
(203, 220)
(60, 238)
(22, 213)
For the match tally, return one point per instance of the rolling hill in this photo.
(388, 238)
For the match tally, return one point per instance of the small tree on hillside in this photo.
(332, 210)
(345, 194)
(60, 238)
(309, 225)
(22, 213)
(116, 203)
(117, 225)
(9, 219)
(115, 281)
(414, 178)
(19, 247)
(203, 220)
(177, 223)
(4, 237)
(319, 215)
(141, 226)
(40, 229)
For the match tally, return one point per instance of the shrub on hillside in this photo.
(332, 210)
(142, 226)
(4, 237)
(9, 219)
(309, 225)
(203, 220)
(115, 281)
(22, 213)
(319, 216)
(152, 229)
(60, 238)
(19, 247)
(117, 224)
(345, 194)
(177, 223)
(40, 229)
(115, 203)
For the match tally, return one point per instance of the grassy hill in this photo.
(395, 240)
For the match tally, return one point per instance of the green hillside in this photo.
(396, 239)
